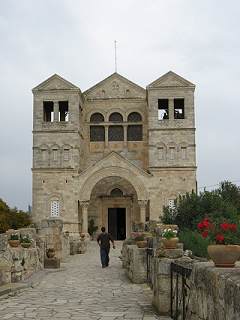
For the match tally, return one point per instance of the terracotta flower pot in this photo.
(224, 255)
(170, 243)
(141, 244)
(14, 243)
(26, 244)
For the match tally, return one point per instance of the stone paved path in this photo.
(82, 290)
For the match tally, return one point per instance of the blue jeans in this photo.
(104, 254)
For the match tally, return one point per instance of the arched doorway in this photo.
(113, 204)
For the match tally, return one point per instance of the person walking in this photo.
(104, 243)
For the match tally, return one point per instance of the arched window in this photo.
(97, 117)
(116, 193)
(134, 133)
(97, 133)
(116, 117)
(134, 117)
(115, 133)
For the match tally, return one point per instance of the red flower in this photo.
(220, 237)
(206, 223)
(200, 225)
(224, 226)
(233, 227)
(204, 234)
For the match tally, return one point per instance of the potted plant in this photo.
(140, 241)
(169, 238)
(14, 240)
(26, 241)
(50, 253)
(224, 238)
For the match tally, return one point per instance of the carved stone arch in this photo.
(138, 185)
(43, 147)
(90, 113)
(117, 110)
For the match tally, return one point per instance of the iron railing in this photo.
(149, 257)
(180, 290)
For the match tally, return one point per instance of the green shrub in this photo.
(193, 241)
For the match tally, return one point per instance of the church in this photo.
(114, 154)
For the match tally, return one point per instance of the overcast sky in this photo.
(200, 40)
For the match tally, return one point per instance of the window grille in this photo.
(134, 117)
(97, 117)
(55, 208)
(115, 133)
(115, 117)
(97, 133)
(134, 133)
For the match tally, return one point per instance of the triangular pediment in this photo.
(115, 86)
(170, 79)
(55, 82)
(114, 159)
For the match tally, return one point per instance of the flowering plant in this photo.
(26, 239)
(219, 232)
(14, 236)
(169, 233)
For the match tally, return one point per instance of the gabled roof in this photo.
(170, 79)
(55, 82)
(121, 85)
(120, 161)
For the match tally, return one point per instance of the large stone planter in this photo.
(170, 243)
(14, 243)
(224, 255)
(141, 244)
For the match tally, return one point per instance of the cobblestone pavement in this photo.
(82, 290)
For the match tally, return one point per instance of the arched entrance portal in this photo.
(113, 204)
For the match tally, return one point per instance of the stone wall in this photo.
(134, 260)
(19, 263)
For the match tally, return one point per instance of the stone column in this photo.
(125, 135)
(106, 136)
(56, 111)
(142, 204)
(84, 205)
(171, 109)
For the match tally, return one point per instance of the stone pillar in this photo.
(171, 109)
(142, 204)
(106, 136)
(84, 205)
(125, 135)
(56, 111)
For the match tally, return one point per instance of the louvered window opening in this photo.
(134, 133)
(97, 117)
(115, 117)
(97, 133)
(115, 133)
(134, 117)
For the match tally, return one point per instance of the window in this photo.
(116, 193)
(63, 111)
(178, 108)
(97, 133)
(44, 154)
(97, 117)
(171, 204)
(115, 117)
(134, 117)
(115, 133)
(163, 109)
(171, 153)
(161, 153)
(55, 208)
(134, 133)
(48, 113)
(184, 153)
(55, 154)
(66, 154)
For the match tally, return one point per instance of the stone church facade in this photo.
(115, 154)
